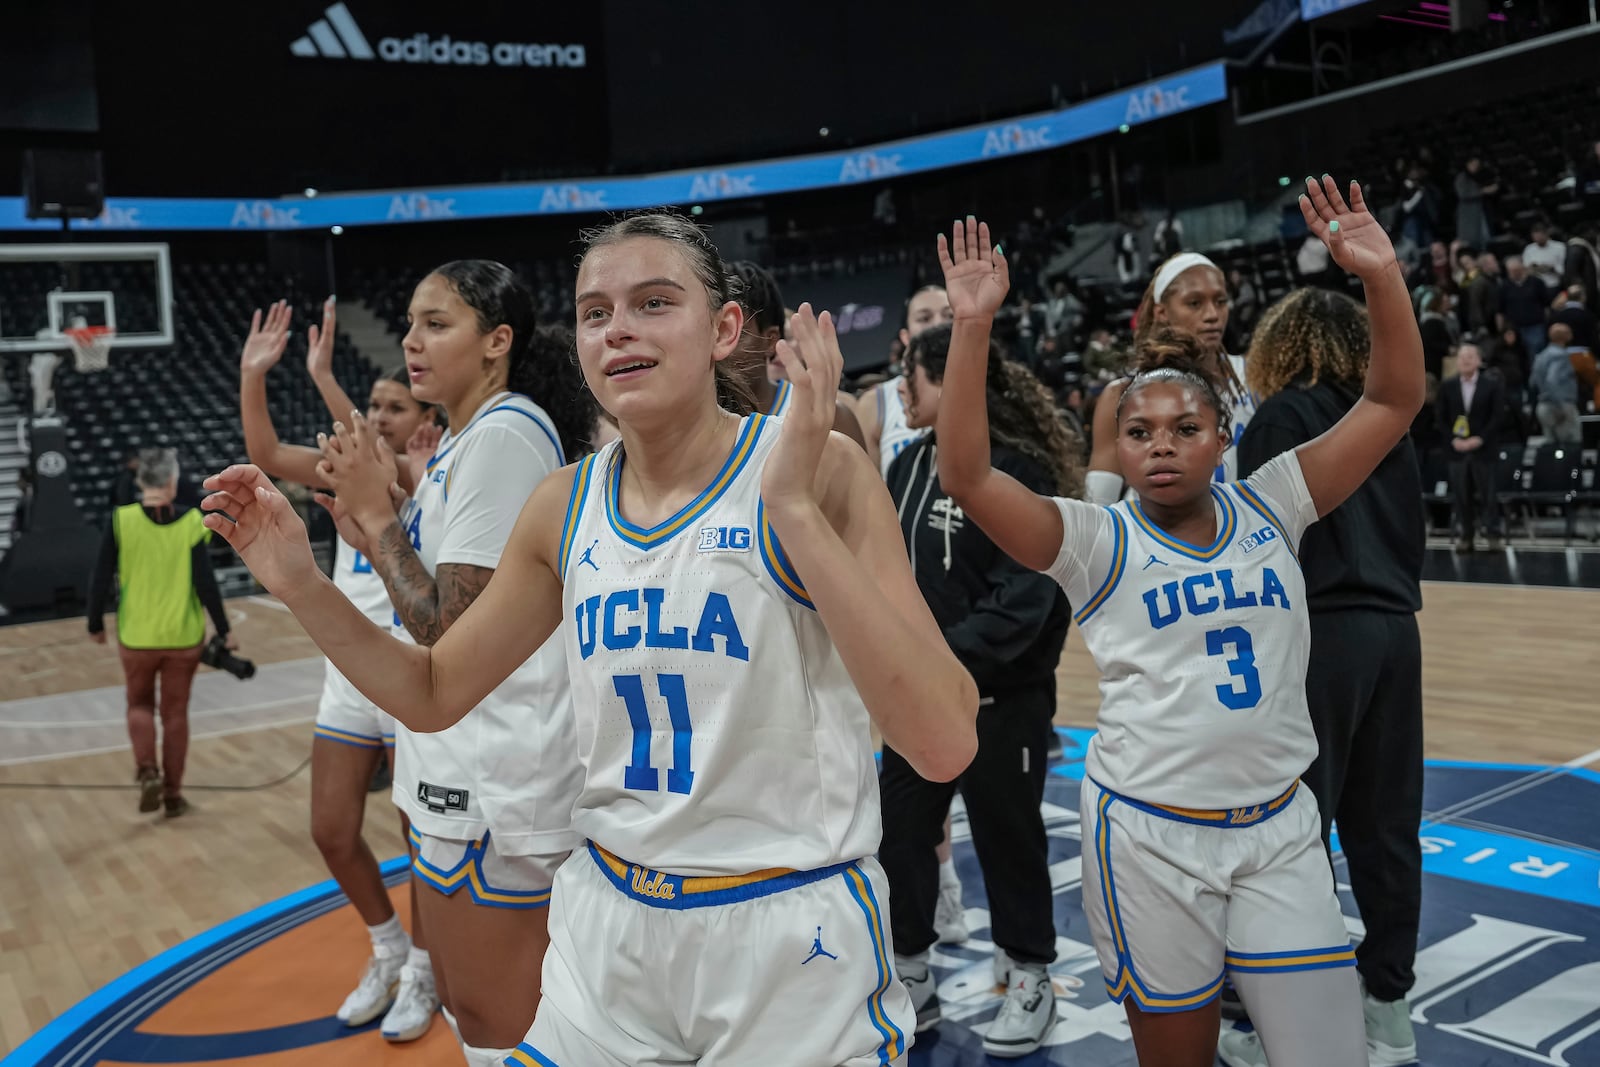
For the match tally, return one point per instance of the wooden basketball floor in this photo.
(89, 888)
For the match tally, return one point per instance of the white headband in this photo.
(1175, 266)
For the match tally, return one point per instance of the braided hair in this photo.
(1022, 414)
(1171, 355)
(1309, 336)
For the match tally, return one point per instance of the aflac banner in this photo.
(1034, 133)
(1315, 9)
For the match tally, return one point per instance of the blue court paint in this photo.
(1508, 966)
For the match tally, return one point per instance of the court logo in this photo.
(338, 37)
(52, 464)
(858, 317)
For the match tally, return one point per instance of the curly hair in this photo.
(1309, 336)
(1022, 414)
(1171, 355)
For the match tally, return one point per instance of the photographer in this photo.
(157, 551)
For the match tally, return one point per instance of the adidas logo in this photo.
(336, 36)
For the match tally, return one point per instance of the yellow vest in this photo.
(158, 606)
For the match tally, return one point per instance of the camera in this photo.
(217, 656)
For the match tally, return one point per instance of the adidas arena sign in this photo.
(337, 36)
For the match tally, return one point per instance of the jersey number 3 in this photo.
(639, 774)
(1242, 665)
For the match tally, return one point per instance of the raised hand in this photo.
(976, 274)
(1354, 239)
(319, 342)
(420, 449)
(264, 529)
(359, 467)
(263, 347)
(813, 363)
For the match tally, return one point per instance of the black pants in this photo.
(1472, 483)
(1003, 789)
(1364, 686)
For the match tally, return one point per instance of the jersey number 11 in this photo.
(639, 774)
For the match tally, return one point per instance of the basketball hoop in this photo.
(91, 347)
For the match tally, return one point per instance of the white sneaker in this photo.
(376, 991)
(924, 992)
(1241, 1048)
(949, 916)
(414, 1006)
(1026, 1016)
(1390, 1040)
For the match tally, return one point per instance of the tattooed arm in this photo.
(426, 604)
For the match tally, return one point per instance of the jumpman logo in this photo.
(585, 557)
(817, 950)
(1151, 562)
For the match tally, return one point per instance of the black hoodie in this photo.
(1005, 623)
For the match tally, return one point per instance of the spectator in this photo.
(1246, 300)
(1168, 238)
(1064, 311)
(1570, 309)
(157, 551)
(1418, 209)
(1481, 297)
(1554, 385)
(1438, 337)
(1362, 566)
(1508, 357)
(1588, 174)
(1127, 256)
(1312, 263)
(1524, 300)
(1471, 408)
(1545, 258)
(1583, 261)
(1472, 216)
(1101, 358)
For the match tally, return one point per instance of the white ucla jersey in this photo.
(1201, 649)
(510, 766)
(719, 731)
(1243, 405)
(362, 586)
(894, 436)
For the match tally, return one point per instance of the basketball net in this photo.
(91, 347)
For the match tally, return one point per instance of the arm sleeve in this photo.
(105, 568)
(494, 473)
(1281, 486)
(205, 586)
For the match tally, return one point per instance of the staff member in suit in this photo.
(1471, 407)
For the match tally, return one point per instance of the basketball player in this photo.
(1202, 856)
(880, 410)
(351, 731)
(882, 414)
(757, 356)
(737, 603)
(490, 799)
(1189, 293)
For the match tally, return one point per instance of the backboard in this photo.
(44, 287)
